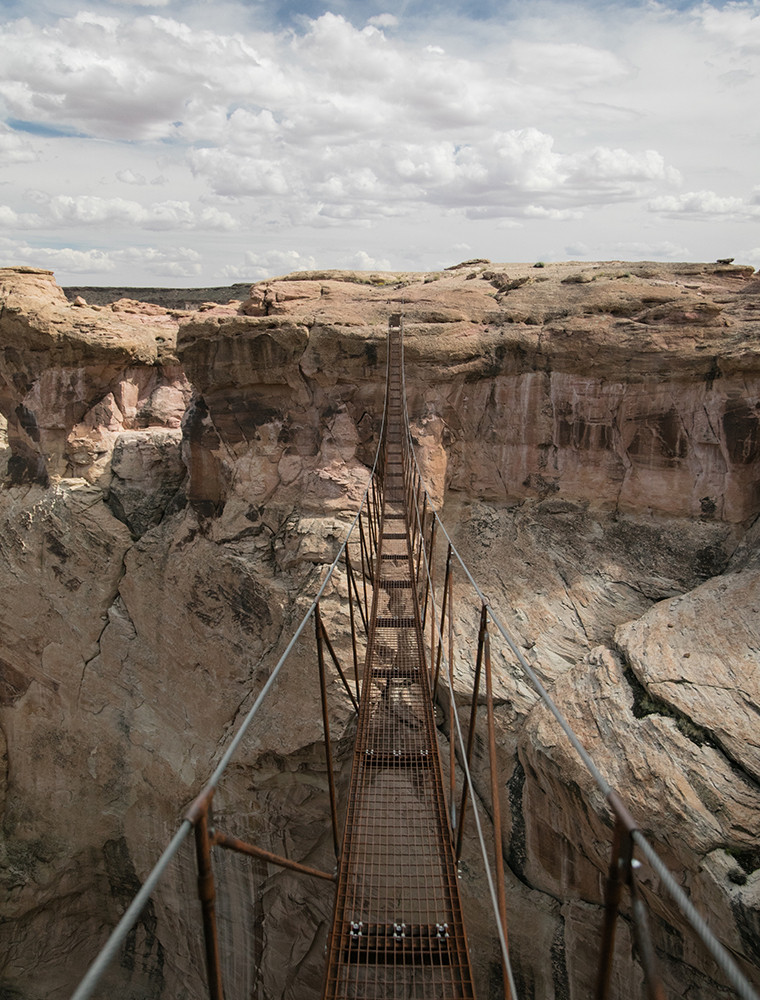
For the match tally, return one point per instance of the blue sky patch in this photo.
(44, 130)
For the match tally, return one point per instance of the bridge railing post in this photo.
(421, 540)
(198, 815)
(452, 710)
(496, 806)
(439, 651)
(430, 575)
(621, 872)
(471, 730)
(318, 627)
(366, 568)
(352, 618)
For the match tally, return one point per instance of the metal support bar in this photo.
(496, 806)
(421, 541)
(207, 896)
(644, 943)
(366, 567)
(452, 710)
(241, 847)
(621, 843)
(352, 618)
(373, 517)
(335, 660)
(326, 726)
(352, 582)
(429, 576)
(443, 618)
(622, 872)
(471, 730)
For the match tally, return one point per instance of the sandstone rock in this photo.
(686, 657)
(147, 472)
(61, 376)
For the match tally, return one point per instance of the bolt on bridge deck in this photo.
(397, 930)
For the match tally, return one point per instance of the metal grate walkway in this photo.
(397, 929)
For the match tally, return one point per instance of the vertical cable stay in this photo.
(398, 928)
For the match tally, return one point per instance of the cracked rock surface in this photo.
(176, 482)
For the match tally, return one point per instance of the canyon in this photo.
(178, 475)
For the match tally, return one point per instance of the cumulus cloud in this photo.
(384, 21)
(92, 210)
(15, 148)
(174, 263)
(362, 261)
(737, 24)
(130, 177)
(751, 256)
(268, 264)
(66, 259)
(705, 205)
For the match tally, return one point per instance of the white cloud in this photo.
(362, 261)
(66, 259)
(705, 205)
(15, 148)
(749, 257)
(662, 250)
(268, 264)
(736, 24)
(92, 210)
(384, 21)
(177, 262)
(10, 219)
(130, 177)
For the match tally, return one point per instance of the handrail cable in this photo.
(719, 953)
(460, 736)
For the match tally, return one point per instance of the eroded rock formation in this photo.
(176, 482)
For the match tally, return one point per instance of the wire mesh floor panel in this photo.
(397, 929)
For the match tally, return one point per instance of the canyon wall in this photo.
(177, 481)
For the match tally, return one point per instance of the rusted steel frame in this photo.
(410, 486)
(326, 727)
(198, 816)
(241, 847)
(620, 873)
(471, 730)
(622, 845)
(374, 515)
(350, 581)
(429, 576)
(443, 618)
(335, 660)
(421, 540)
(415, 519)
(365, 568)
(644, 944)
(452, 710)
(496, 806)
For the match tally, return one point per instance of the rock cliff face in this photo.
(176, 482)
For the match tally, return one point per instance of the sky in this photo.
(206, 143)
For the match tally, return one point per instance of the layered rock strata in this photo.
(176, 482)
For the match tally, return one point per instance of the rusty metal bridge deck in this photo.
(397, 929)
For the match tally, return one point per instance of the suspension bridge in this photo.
(398, 929)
